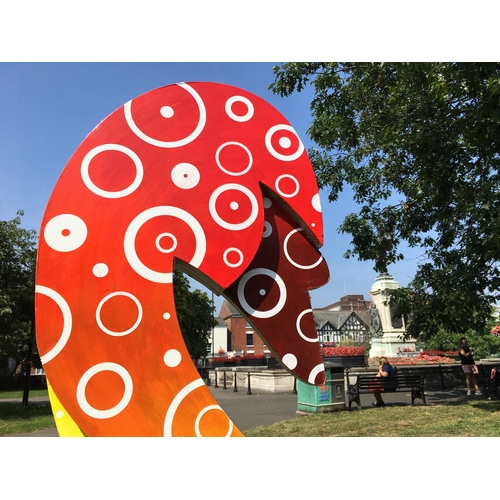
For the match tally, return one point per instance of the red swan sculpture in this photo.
(204, 176)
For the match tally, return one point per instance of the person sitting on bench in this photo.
(385, 369)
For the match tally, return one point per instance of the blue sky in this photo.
(47, 109)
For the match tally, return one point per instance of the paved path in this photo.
(248, 411)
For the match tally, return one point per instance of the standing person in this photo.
(469, 367)
(385, 369)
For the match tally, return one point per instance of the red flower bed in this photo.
(221, 359)
(342, 351)
(418, 360)
(439, 353)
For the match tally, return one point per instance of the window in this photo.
(249, 339)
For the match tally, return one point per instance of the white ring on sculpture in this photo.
(246, 306)
(202, 412)
(169, 417)
(67, 322)
(236, 250)
(287, 195)
(287, 255)
(125, 332)
(227, 225)
(230, 172)
(315, 372)
(142, 218)
(127, 109)
(84, 170)
(299, 330)
(271, 149)
(232, 115)
(118, 408)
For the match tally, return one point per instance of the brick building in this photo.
(347, 319)
(241, 337)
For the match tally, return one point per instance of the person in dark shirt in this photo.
(385, 369)
(469, 367)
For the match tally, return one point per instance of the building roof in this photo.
(220, 322)
(349, 303)
(338, 318)
(227, 310)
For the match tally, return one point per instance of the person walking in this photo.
(469, 367)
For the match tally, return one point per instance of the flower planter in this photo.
(229, 363)
(347, 361)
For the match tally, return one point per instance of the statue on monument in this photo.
(375, 323)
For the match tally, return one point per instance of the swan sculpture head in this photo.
(205, 176)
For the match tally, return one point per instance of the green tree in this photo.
(195, 312)
(419, 144)
(17, 278)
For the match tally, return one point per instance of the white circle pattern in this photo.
(281, 192)
(125, 332)
(67, 322)
(185, 176)
(100, 270)
(233, 250)
(127, 109)
(171, 248)
(238, 118)
(142, 218)
(268, 229)
(299, 330)
(279, 156)
(202, 412)
(290, 361)
(227, 225)
(316, 203)
(287, 255)
(230, 172)
(118, 408)
(243, 301)
(111, 194)
(172, 358)
(65, 233)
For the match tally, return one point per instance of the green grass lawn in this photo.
(19, 394)
(472, 418)
(16, 419)
(479, 418)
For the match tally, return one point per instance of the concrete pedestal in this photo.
(392, 334)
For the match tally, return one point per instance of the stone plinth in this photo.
(261, 379)
(392, 329)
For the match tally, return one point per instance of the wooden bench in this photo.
(367, 384)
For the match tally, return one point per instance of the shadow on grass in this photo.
(15, 411)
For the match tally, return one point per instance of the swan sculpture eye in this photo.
(200, 173)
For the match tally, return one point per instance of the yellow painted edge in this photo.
(66, 426)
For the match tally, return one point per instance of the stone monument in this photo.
(387, 332)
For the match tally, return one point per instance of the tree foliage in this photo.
(195, 312)
(17, 289)
(419, 144)
(484, 344)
